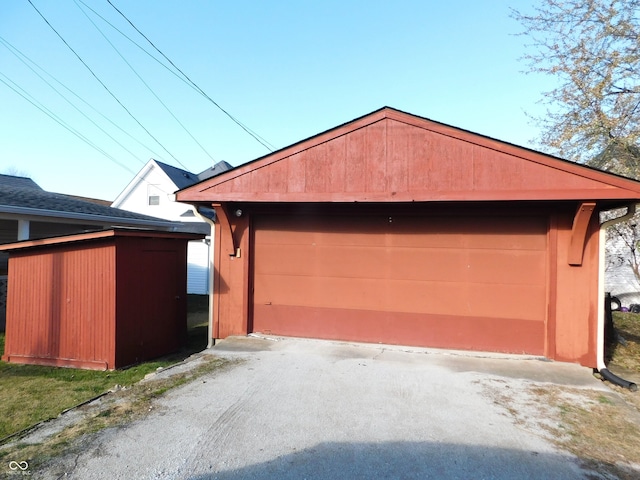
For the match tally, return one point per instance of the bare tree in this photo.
(592, 48)
(14, 171)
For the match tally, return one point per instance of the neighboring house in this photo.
(28, 212)
(620, 280)
(151, 193)
(393, 228)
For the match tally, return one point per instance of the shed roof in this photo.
(393, 156)
(97, 235)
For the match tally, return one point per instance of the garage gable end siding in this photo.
(390, 156)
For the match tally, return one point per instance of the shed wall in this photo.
(152, 303)
(61, 307)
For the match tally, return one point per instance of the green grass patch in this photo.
(30, 394)
(627, 355)
(117, 409)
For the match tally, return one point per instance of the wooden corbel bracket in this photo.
(222, 215)
(579, 230)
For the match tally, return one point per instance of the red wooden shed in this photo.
(99, 300)
(397, 229)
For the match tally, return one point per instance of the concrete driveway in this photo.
(296, 409)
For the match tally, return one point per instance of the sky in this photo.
(285, 70)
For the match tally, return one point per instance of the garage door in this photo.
(451, 282)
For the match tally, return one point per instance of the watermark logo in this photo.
(19, 468)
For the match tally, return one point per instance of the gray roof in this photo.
(217, 169)
(12, 181)
(182, 178)
(19, 200)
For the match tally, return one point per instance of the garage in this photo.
(393, 228)
(434, 281)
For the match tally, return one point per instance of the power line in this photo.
(148, 87)
(262, 141)
(29, 98)
(172, 72)
(7, 44)
(24, 59)
(71, 103)
(101, 82)
(57, 119)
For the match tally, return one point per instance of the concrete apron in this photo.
(296, 408)
(524, 367)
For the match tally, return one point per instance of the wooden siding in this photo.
(101, 301)
(152, 301)
(563, 330)
(458, 282)
(394, 157)
(60, 308)
(393, 160)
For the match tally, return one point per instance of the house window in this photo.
(153, 195)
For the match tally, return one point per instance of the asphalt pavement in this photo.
(310, 409)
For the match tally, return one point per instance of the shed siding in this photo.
(100, 300)
(152, 308)
(60, 308)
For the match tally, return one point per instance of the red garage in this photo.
(396, 229)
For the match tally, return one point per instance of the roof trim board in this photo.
(113, 232)
(39, 214)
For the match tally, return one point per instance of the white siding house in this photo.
(151, 193)
(620, 280)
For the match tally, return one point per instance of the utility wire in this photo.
(29, 98)
(24, 59)
(7, 81)
(71, 103)
(141, 48)
(263, 142)
(101, 82)
(146, 85)
(192, 85)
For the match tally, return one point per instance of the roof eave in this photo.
(37, 213)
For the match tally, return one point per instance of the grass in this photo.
(30, 394)
(626, 356)
(601, 428)
(118, 409)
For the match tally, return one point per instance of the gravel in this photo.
(296, 409)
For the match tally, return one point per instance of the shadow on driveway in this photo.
(407, 460)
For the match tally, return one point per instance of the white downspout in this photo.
(602, 367)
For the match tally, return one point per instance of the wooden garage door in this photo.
(452, 282)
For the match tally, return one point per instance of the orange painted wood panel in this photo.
(391, 156)
(438, 331)
(60, 308)
(472, 267)
(66, 307)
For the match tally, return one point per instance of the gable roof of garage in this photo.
(393, 156)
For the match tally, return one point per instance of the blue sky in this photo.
(287, 70)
